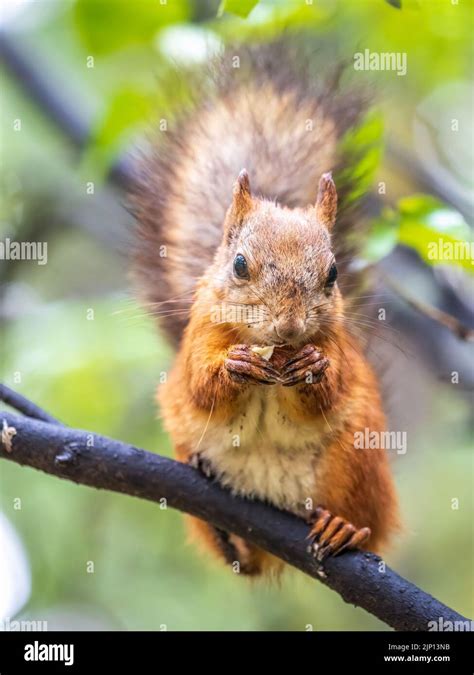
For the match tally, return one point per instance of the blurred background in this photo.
(81, 83)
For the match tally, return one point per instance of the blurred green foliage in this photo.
(362, 146)
(421, 221)
(100, 373)
(238, 7)
(107, 26)
(103, 30)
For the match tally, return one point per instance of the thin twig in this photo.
(25, 406)
(459, 329)
(428, 178)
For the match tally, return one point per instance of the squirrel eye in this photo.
(240, 267)
(332, 276)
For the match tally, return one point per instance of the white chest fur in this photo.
(261, 453)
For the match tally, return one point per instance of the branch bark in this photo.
(101, 462)
(450, 322)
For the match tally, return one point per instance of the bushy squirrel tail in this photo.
(266, 108)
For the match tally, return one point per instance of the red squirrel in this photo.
(269, 387)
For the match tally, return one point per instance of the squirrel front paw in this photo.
(246, 366)
(308, 365)
(330, 535)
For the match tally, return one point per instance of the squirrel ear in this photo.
(326, 202)
(242, 197)
(241, 204)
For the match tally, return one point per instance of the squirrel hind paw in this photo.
(197, 461)
(331, 535)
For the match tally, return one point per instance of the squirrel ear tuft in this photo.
(326, 202)
(241, 205)
(241, 190)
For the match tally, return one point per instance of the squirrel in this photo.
(238, 253)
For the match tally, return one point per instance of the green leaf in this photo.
(383, 239)
(361, 148)
(436, 232)
(436, 248)
(437, 215)
(127, 110)
(106, 26)
(240, 8)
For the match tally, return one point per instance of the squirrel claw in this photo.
(245, 366)
(308, 366)
(331, 535)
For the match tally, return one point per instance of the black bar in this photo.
(156, 652)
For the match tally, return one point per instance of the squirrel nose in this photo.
(289, 328)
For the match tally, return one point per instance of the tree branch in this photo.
(450, 322)
(33, 74)
(87, 458)
(25, 406)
